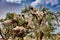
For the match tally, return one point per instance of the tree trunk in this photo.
(41, 35)
(22, 38)
(37, 38)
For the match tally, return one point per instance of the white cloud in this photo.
(52, 2)
(14, 1)
(35, 3)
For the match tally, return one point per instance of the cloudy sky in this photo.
(16, 6)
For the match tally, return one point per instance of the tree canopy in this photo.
(36, 21)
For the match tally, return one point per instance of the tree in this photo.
(40, 18)
(33, 20)
(1, 20)
(9, 23)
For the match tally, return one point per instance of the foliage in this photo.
(42, 25)
(9, 16)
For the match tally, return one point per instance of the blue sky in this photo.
(17, 5)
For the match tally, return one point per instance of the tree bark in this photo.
(41, 35)
(22, 38)
(37, 38)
